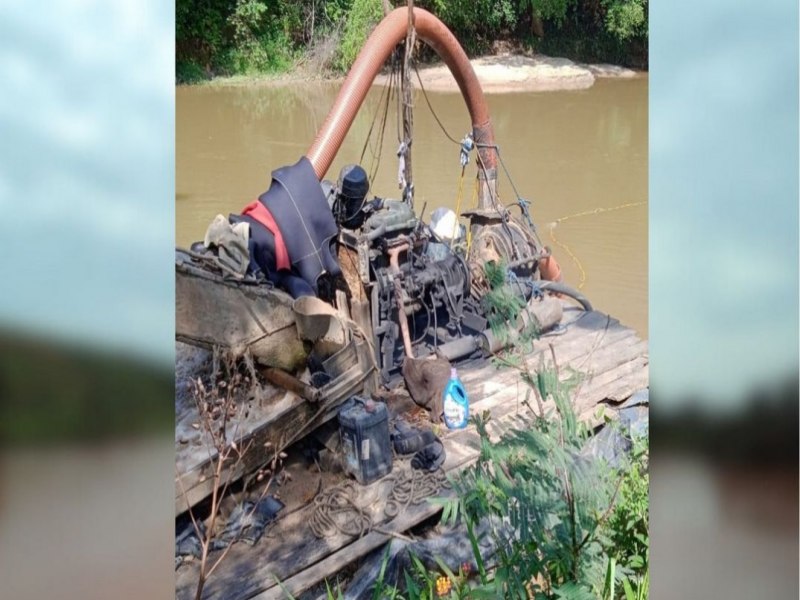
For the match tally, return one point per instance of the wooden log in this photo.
(283, 422)
(571, 355)
(586, 330)
(212, 311)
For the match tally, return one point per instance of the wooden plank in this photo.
(246, 572)
(270, 427)
(599, 383)
(574, 357)
(213, 311)
(297, 549)
(302, 581)
(288, 420)
(616, 361)
(194, 481)
(630, 377)
(574, 340)
(462, 449)
(609, 357)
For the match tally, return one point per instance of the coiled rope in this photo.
(338, 510)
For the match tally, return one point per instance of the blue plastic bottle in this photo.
(455, 403)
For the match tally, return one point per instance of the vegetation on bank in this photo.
(60, 392)
(255, 37)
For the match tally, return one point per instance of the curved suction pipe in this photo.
(560, 288)
(389, 32)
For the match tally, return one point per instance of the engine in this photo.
(414, 281)
(426, 291)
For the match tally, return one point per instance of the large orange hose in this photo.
(389, 32)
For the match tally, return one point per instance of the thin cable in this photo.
(503, 164)
(568, 250)
(371, 126)
(520, 199)
(433, 112)
(474, 206)
(376, 164)
(457, 223)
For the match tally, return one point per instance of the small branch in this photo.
(555, 362)
(605, 515)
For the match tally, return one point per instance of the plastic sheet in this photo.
(615, 440)
(451, 547)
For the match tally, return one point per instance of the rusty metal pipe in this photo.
(377, 49)
(291, 383)
(394, 264)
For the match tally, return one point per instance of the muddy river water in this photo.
(579, 156)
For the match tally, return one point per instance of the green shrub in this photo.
(577, 529)
(261, 44)
(552, 10)
(227, 36)
(626, 19)
(200, 30)
(267, 54)
(555, 502)
(628, 527)
(189, 71)
(361, 20)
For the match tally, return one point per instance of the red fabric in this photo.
(260, 213)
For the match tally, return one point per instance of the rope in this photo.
(585, 213)
(474, 206)
(411, 487)
(502, 164)
(458, 205)
(375, 118)
(433, 112)
(376, 157)
(336, 511)
(339, 511)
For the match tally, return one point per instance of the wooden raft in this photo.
(613, 360)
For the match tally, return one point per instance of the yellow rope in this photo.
(474, 206)
(595, 211)
(458, 206)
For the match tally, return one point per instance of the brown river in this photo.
(579, 156)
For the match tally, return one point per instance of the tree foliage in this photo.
(359, 21)
(224, 37)
(626, 18)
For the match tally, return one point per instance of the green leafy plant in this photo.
(626, 18)
(555, 502)
(361, 19)
(570, 527)
(503, 304)
(424, 584)
(260, 41)
(553, 10)
(628, 527)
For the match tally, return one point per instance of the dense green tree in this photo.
(224, 37)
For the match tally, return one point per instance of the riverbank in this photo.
(501, 73)
(520, 73)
